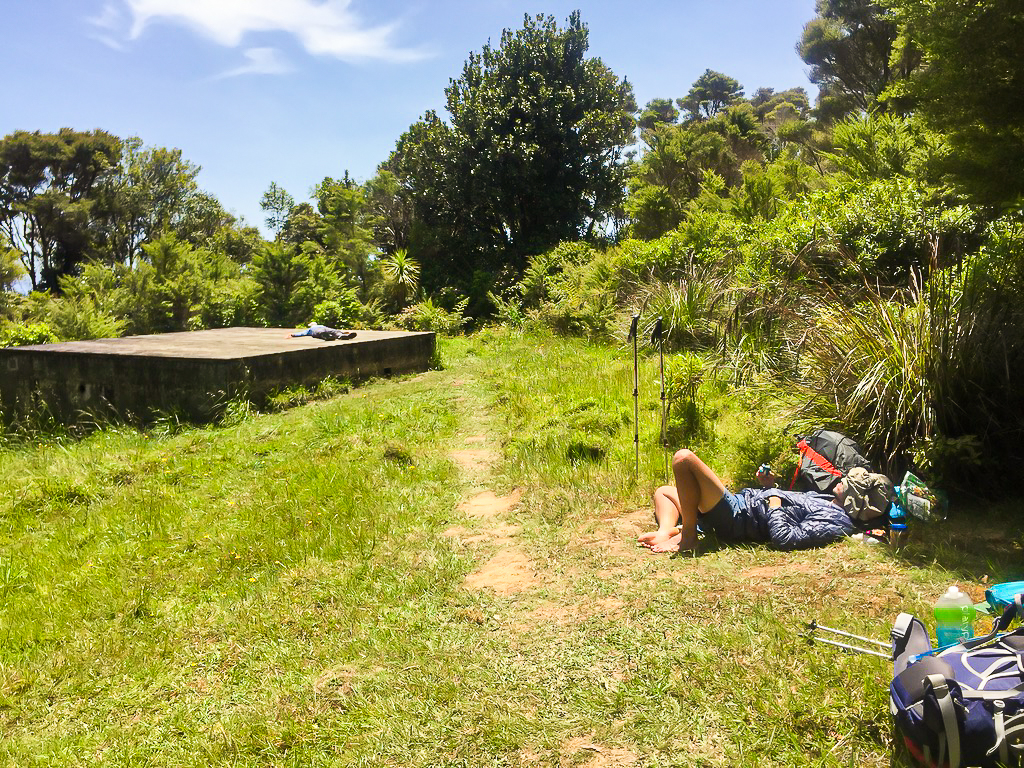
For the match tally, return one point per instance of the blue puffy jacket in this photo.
(805, 519)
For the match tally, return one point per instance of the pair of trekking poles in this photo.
(657, 337)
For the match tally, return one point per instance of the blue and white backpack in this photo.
(962, 705)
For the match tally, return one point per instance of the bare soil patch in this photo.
(509, 572)
(576, 751)
(498, 533)
(474, 460)
(487, 504)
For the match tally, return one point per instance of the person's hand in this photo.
(766, 477)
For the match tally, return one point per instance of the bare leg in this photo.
(666, 512)
(699, 489)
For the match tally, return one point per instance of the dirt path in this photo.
(490, 527)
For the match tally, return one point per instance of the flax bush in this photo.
(930, 373)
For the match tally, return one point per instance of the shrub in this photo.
(428, 316)
(343, 311)
(24, 334)
(930, 374)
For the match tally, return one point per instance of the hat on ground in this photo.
(868, 494)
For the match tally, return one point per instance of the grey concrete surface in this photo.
(192, 373)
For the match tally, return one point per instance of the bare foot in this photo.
(660, 541)
(652, 539)
(688, 547)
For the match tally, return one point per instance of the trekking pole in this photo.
(636, 397)
(657, 335)
(813, 626)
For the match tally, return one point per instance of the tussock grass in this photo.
(279, 590)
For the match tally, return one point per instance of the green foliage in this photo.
(277, 204)
(925, 373)
(849, 48)
(150, 192)
(232, 302)
(689, 305)
(345, 311)
(710, 94)
(886, 227)
(685, 377)
(279, 271)
(402, 273)
(11, 269)
(657, 112)
(969, 89)
(48, 188)
(874, 147)
(23, 334)
(533, 156)
(427, 316)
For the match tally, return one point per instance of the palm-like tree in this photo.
(403, 272)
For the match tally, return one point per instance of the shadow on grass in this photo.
(979, 541)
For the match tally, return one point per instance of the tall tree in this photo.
(657, 112)
(390, 211)
(48, 188)
(710, 94)
(971, 88)
(534, 153)
(153, 190)
(849, 47)
(276, 204)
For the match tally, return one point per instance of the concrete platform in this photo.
(192, 373)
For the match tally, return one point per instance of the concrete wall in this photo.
(193, 374)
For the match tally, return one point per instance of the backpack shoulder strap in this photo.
(951, 730)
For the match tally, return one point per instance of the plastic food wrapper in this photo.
(920, 501)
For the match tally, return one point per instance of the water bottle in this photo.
(897, 525)
(954, 617)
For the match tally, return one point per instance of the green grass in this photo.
(282, 591)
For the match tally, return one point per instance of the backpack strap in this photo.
(1009, 734)
(950, 738)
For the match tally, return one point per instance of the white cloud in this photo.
(261, 61)
(327, 28)
(107, 23)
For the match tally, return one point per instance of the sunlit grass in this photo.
(279, 590)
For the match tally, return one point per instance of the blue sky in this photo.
(290, 91)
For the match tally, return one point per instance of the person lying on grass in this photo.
(787, 519)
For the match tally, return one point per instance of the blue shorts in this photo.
(721, 518)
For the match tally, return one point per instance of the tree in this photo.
(849, 47)
(48, 186)
(673, 170)
(403, 273)
(657, 112)
(390, 211)
(277, 204)
(345, 232)
(533, 156)
(970, 88)
(280, 270)
(151, 191)
(709, 95)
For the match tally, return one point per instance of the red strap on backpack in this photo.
(815, 458)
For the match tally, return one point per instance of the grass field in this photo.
(439, 570)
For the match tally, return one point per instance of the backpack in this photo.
(963, 704)
(825, 456)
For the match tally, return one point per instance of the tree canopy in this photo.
(970, 88)
(849, 47)
(533, 154)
